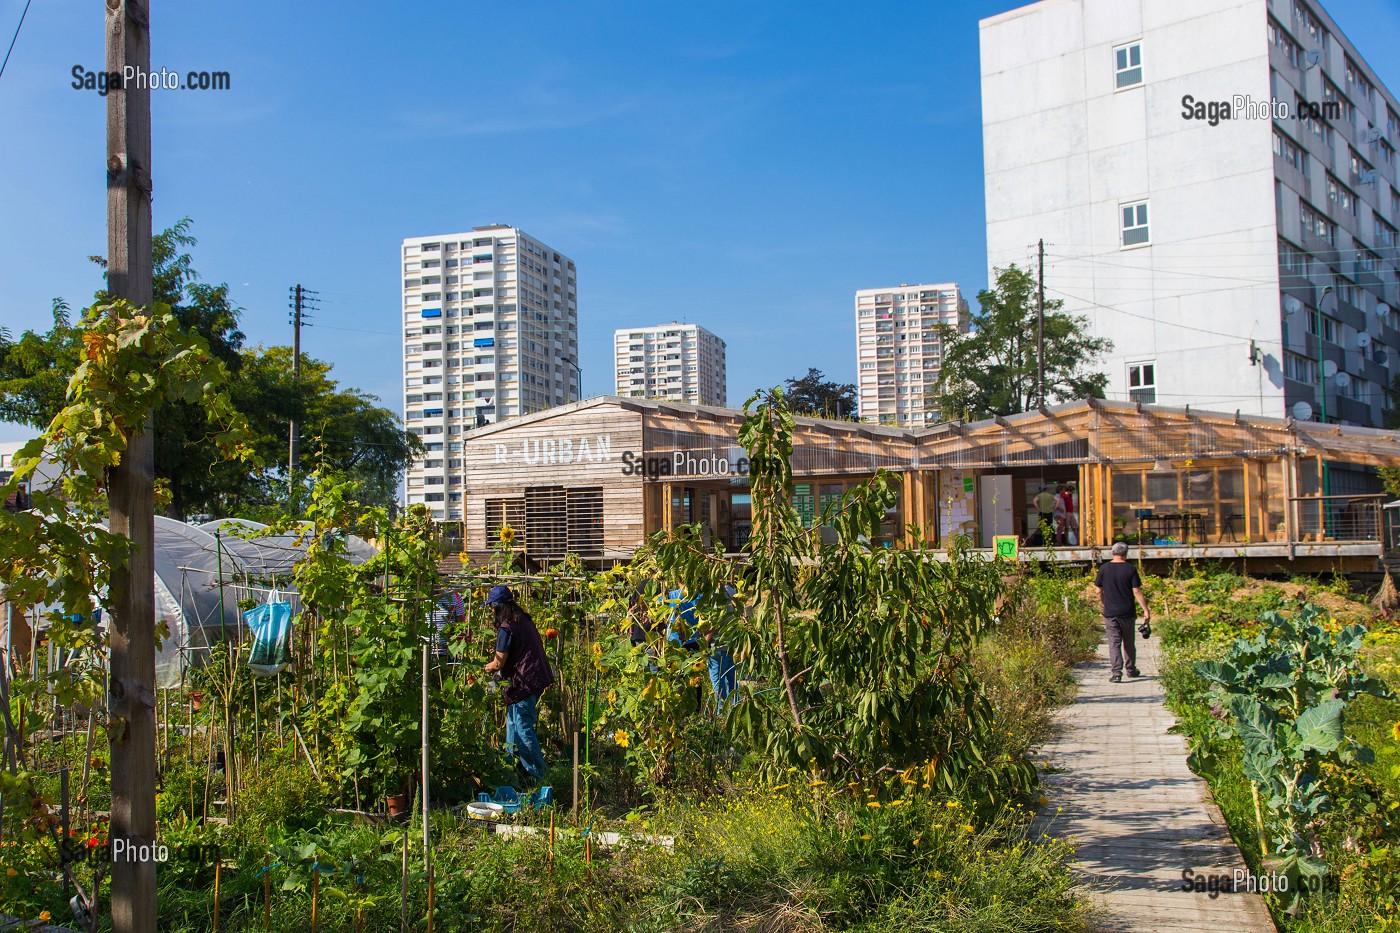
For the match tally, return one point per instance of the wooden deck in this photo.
(1255, 556)
(1120, 789)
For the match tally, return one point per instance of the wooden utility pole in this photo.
(1040, 326)
(302, 298)
(131, 629)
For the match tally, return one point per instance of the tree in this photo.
(35, 369)
(359, 438)
(992, 369)
(813, 394)
(346, 432)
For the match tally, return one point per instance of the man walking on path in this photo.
(1120, 591)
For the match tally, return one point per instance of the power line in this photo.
(15, 38)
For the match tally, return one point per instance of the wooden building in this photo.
(595, 477)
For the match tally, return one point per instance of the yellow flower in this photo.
(952, 804)
(898, 803)
(11, 872)
(597, 649)
(969, 828)
(874, 803)
(781, 787)
(507, 534)
(1395, 731)
(620, 737)
(817, 784)
(866, 837)
(45, 916)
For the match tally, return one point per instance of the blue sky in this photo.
(744, 166)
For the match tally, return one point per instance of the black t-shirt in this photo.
(1116, 581)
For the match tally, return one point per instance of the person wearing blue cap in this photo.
(521, 662)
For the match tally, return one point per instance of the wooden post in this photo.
(427, 841)
(267, 893)
(131, 701)
(431, 891)
(403, 887)
(1250, 471)
(218, 873)
(575, 777)
(1290, 490)
(315, 894)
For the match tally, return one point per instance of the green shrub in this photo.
(282, 792)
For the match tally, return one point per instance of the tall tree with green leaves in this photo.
(992, 370)
(814, 394)
(349, 432)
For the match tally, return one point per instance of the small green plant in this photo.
(1286, 690)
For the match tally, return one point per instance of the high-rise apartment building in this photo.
(490, 331)
(1216, 185)
(899, 351)
(681, 362)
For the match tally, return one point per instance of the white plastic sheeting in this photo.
(192, 560)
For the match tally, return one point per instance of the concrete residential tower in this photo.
(490, 331)
(680, 362)
(898, 350)
(1216, 187)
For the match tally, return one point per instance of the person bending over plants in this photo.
(521, 662)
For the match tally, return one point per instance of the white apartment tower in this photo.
(1216, 185)
(899, 352)
(681, 362)
(490, 331)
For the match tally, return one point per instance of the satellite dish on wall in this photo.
(1292, 305)
(1363, 340)
(1343, 380)
(1302, 411)
(1382, 309)
(1329, 369)
(1381, 357)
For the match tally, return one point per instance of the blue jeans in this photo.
(723, 675)
(521, 737)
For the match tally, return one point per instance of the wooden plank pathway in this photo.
(1138, 816)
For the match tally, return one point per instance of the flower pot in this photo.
(397, 804)
(196, 699)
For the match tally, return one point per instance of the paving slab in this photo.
(1119, 789)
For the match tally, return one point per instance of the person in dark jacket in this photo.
(521, 662)
(1120, 590)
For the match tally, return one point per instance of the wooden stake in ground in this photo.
(131, 599)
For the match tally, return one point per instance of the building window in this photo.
(1317, 226)
(1280, 38)
(1135, 224)
(1142, 382)
(1289, 151)
(1127, 65)
(1300, 368)
(1308, 23)
(1328, 325)
(1341, 197)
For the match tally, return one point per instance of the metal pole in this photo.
(219, 557)
(1040, 326)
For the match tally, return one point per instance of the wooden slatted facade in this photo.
(594, 478)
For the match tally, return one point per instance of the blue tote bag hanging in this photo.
(271, 625)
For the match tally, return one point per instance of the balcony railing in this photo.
(1338, 518)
